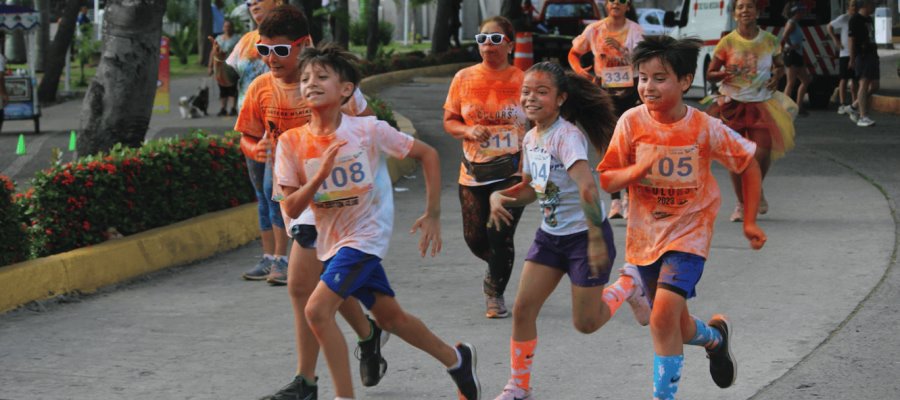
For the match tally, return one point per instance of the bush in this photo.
(383, 111)
(12, 235)
(132, 190)
(359, 33)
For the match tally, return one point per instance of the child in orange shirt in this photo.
(662, 151)
(274, 104)
(340, 171)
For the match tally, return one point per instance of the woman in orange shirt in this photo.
(482, 110)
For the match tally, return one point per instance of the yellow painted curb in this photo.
(886, 104)
(88, 269)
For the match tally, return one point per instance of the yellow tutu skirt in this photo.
(769, 123)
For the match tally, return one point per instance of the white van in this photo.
(710, 20)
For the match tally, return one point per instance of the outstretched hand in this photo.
(499, 215)
(431, 234)
(329, 156)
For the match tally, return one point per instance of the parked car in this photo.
(651, 19)
(567, 17)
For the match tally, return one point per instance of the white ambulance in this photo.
(710, 20)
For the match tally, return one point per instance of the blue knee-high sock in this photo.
(666, 375)
(706, 336)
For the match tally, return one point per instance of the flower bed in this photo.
(127, 190)
(12, 235)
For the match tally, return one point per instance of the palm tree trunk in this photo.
(119, 101)
(440, 36)
(373, 39)
(56, 56)
(204, 30)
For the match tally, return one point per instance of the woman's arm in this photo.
(456, 127)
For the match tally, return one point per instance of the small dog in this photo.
(194, 106)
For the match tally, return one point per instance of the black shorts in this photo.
(845, 71)
(793, 59)
(227, 91)
(867, 67)
(305, 235)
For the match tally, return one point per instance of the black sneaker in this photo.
(372, 365)
(465, 377)
(722, 366)
(298, 389)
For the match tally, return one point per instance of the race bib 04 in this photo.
(350, 178)
(539, 164)
(504, 139)
(618, 77)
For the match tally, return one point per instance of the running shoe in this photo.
(854, 114)
(738, 214)
(513, 392)
(615, 209)
(722, 366)
(278, 274)
(372, 366)
(865, 122)
(843, 109)
(763, 205)
(639, 302)
(298, 389)
(496, 307)
(464, 376)
(260, 271)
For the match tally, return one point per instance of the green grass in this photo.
(396, 46)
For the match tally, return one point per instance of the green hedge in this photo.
(12, 234)
(128, 190)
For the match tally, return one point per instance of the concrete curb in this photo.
(87, 269)
(90, 268)
(886, 104)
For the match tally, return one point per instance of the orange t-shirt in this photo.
(606, 57)
(674, 207)
(489, 98)
(274, 107)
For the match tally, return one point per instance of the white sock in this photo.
(458, 360)
(269, 257)
(342, 398)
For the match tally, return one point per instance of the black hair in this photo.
(332, 55)
(586, 104)
(285, 20)
(508, 29)
(678, 54)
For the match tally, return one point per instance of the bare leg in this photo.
(535, 286)
(805, 79)
(671, 324)
(392, 318)
(863, 97)
(589, 311)
(268, 241)
(791, 76)
(320, 313)
(281, 240)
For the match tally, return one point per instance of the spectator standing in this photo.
(842, 24)
(793, 55)
(217, 9)
(864, 59)
(226, 42)
(455, 23)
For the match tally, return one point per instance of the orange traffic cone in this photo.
(524, 58)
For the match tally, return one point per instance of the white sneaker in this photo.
(763, 205)
(513, 392)
(843, 109)
(864, 122)
(738, 214)
(639, 302)
(854, 115)
(615, 209)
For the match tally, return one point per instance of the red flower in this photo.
(48, 231)
(86, 225)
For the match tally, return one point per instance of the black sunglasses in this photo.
(495, 38)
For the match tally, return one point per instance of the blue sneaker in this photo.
(278, 274)
(260, 271)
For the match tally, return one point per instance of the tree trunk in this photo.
(512, 10)
(205, 29)
(342, 24)
(372, 40)
(309, 7)
(440, 36)
(43, 39)
(56, 55)
(118, 103)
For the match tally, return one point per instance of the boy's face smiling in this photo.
(285, 69)
(322, 86)
(661, 90)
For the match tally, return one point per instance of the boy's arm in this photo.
(518, 195)
(430, 221)
(598, 254)
(751, 180)
(715, 73)
(298, 200)
(614, 180)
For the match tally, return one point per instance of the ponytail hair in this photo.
(586, 104)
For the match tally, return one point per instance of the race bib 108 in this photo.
(350, 178)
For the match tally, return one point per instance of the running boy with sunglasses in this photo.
(273, 104)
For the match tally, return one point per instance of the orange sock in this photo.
(521, 355)
(615, 294)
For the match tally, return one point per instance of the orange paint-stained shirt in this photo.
(674, 207)
(274, 107)
(245, 60)
(490, 98)
(606, 57)
(354, 207)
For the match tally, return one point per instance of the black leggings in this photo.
(495, 247)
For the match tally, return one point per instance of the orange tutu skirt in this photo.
(768, 123)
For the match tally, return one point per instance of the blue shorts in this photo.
(569, 254)
(305, 235)
(354, 273)
(675, 271)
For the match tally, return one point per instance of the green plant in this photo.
(86, 49)
(383, 111)
(131, 190)
(359, 33)
(12, 232)
(184, 42)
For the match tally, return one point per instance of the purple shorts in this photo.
(569, 254)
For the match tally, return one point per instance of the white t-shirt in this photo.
(842, 24)
(547, 159)
(354, 207)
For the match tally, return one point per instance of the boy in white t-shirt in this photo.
(842, 23)
(341, 171)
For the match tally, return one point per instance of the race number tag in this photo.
(676, 166)
(350, 178)
(503, 140)
(618, 77)
(539, 164)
